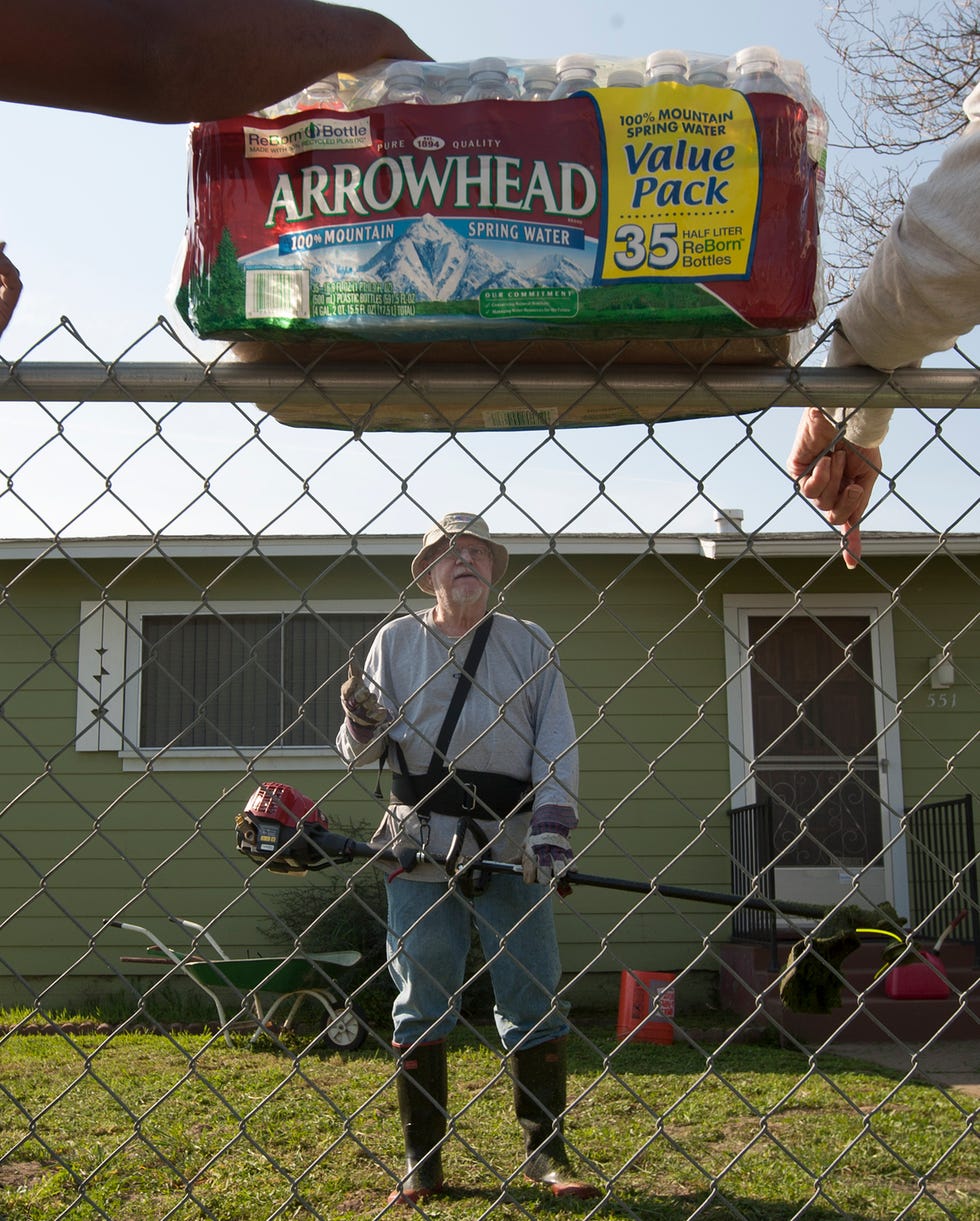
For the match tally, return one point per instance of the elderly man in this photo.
(499, 760)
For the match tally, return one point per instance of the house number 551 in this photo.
(942, 700)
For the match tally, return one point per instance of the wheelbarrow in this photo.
(290, 981)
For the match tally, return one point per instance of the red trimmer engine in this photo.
(280, 827)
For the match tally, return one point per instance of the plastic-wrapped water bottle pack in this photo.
(671, 196)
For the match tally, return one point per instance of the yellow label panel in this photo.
(683, 180)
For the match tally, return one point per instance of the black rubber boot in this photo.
(422, 1094)
(540, 1075)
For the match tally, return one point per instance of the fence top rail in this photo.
(672, 392)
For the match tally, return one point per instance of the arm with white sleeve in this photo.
(921, 291)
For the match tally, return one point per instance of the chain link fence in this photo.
(194, 549)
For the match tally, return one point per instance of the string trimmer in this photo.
(285, 832)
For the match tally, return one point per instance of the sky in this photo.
(94, 214)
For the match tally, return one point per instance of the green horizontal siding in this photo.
(672, 710)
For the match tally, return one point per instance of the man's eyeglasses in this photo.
(476, 552)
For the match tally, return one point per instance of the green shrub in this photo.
(340, 911)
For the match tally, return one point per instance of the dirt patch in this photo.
(22, 1174)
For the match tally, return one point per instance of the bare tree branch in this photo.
(905, 77)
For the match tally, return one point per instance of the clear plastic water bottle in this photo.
(489, 79)
(539, 82)
(575, 72)
(666, 66)
(367, 91)
(405, 82)
(817, 124)
(713, 72)
(758, 70)
(321, 95)
(625, 78)
(446, 83)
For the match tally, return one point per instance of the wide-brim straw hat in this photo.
(449, 526)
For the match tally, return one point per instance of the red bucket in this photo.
(646, 1006)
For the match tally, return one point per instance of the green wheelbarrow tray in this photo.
(290, 980)
(266, 974)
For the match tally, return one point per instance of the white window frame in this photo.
(738, 608)
(107, 709)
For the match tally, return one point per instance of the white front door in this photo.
(810, 735)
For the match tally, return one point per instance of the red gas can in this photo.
(923, 980)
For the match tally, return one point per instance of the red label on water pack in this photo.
(656, 212)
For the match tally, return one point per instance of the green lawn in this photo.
(139, 1127)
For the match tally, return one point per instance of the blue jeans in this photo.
(429, 939)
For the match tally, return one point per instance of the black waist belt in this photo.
(477, 794)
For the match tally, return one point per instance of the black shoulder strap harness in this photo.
(468, 671)
(446, 789)
(420, 786)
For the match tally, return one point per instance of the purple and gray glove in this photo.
(547, 852)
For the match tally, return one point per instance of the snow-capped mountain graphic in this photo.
(433, 260)
(559, 271)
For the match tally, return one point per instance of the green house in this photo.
(149, 684)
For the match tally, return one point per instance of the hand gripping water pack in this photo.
(637, 204)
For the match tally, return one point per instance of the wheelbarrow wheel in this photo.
(347, 1031)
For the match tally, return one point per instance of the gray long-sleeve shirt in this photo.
(515, 721)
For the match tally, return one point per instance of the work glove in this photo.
(547, 852)
(364, 711)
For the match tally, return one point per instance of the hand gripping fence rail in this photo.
(771, 944)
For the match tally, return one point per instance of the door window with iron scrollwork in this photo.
(816, 745)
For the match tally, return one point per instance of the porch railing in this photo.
(943, 870)
(753, 873)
